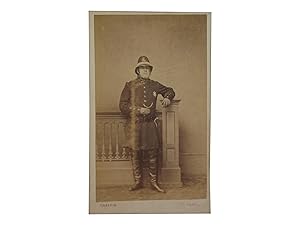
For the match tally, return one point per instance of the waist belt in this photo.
(146, 118)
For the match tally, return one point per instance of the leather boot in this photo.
(137, 171)
(153, 171)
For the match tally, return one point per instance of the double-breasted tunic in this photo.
(141, 130)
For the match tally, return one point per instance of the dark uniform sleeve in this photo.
(166, 92)
(125, 104)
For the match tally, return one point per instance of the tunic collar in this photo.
(142, 80)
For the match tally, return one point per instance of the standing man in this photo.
(138, 103)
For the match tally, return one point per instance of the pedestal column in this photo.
(170, 170)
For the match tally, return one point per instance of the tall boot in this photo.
(137, 170)
(153, 170)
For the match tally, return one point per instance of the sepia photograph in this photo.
(149, 112)
(165, 112)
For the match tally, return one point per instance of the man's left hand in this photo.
(165, 102)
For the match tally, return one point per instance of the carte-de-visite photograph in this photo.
(149, 112)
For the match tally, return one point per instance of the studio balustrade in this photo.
(110, 139)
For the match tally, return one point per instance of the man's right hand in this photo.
(144, 111)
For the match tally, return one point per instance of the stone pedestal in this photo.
(170, 170)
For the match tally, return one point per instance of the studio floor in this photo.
(193, 188)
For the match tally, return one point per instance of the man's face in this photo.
(144, 71)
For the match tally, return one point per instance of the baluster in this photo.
(97, 142)
(97, 152)
(103, 157)
(124, 155)
(110, 154)
(117, 142)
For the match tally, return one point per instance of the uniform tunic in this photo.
(141, 130)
